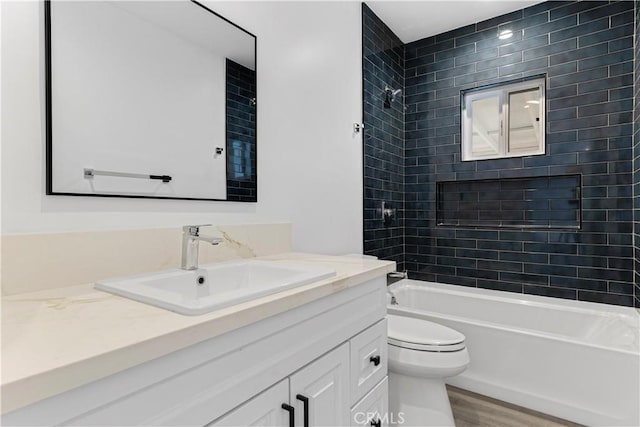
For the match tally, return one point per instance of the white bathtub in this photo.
(576, 360)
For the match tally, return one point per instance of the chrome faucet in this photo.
(190, 244)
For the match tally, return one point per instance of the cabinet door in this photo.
(263, 410)
(325, 385)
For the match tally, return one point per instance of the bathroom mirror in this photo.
(149, 99)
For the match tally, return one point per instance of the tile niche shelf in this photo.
(551, 202)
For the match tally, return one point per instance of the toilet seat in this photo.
(422, 335)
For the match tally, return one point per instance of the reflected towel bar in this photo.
(90, 173)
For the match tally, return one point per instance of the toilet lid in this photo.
(420, 334)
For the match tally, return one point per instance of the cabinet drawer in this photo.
(368, 359)
(373, 407)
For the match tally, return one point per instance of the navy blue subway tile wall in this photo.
(586, 51)
(383, 139)
(241, 132)
(636, 159)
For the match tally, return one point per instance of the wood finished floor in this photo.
(474, 410)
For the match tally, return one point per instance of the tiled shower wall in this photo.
(636, 158)
(383, 65)
(585, 49)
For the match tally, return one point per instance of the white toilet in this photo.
(421, 355)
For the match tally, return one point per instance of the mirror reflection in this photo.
(150, 99)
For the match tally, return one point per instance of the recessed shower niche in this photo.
(149, 99)
(538, 202)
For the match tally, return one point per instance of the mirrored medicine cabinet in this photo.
(149, 99)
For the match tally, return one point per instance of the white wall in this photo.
(157, 102)
(309, 162)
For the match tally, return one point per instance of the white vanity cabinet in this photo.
(263, 410)
(318, 394)
(330, 351)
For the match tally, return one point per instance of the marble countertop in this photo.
(59, 339)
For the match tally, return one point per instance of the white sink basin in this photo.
(212, 286)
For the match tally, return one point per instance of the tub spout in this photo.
(396, 276)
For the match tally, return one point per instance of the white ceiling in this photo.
(192, 23)
(415, 20)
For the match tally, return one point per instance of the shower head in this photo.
(390, 95)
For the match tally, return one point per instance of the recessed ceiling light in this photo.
(505, 34)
